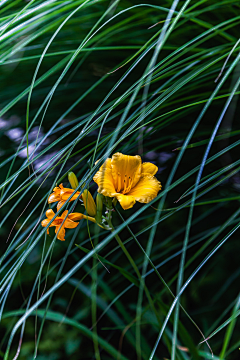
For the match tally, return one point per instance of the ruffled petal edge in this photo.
(149, 169)
(146, 189)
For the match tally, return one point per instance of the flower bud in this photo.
(73, 180)
(99, 201)
(89, 203)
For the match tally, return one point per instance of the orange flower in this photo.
(125, 178)
(60, 223)
(62, 194)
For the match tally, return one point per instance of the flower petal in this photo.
(45, 222)
(54, 197)
(50, 213)
(107, 164)
(70, 224)
(126, 201)
(60, 231)
(105, 182)
(149, 168)
(64, 214)
(60, 204)
(66, 193)
(75, 216)
(146, 189)
(126, 171)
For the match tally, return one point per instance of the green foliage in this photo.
(81, 80)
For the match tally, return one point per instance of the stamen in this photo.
(119, 182)
(124, 185)
(127, 184)
(128, 188)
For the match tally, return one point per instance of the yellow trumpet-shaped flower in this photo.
(127, 179)
(60, 223)
(61, 194)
